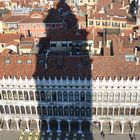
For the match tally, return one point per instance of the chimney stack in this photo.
(100, 44)
(135, 51)
(111, 5)
(122, 3)
(137, 60)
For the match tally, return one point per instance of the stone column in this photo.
(112, 126)
(59, 130)
(101, 126)
(80, 130)
(122, 127)
(96, 111)
(69, 126)
(48, 126)
(17, 124)
(27, 124)
(38, 127)
(7, 123)
(133, 126)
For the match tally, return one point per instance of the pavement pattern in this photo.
(34, 135)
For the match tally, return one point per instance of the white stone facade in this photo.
(92, 101)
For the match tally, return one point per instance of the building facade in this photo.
(69, 105)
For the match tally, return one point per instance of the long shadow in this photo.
(62, 71)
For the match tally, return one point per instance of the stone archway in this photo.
(33, 125)
(44, 125)
(12, 124)
(85, 126)
(53, 125)
(64, 126)
(74, 125)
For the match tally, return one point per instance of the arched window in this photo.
(133, 111)
(71, 111)
(60, 111)
(121, 111)
(71, 97)
(49, 111)
(22, 109)
(110, 111)
(28, 110)
(1, 109)
(77, 111)
(39, 110)
(105, 111)
(44, 110)
(4, 95)
(82, 111)
(127, 111)
(116, 110)
(65, 96)
(31, 93)
(82, 96)
(12, 109)
(54, 96)
(9, 95)
(7, 109)
(88, 96)
(17, 109)
(138, 111)
(37, 95)
(94, 111)
(15, 95)
(76, 96)
(66, 111)
(33, 109)
(88, 111)
(43, 96)
(48, 96)
(26, 97)
(99, 111)
(55, 110)
(20, 95)
(59, 96)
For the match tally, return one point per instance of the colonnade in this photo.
(70, 125)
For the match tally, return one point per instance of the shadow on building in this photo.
(63, 71)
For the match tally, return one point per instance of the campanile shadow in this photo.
(63, 73)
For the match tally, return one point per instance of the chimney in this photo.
(135, 51)
(130, 38)
(86, 20)
(91, 66)
(122, 3)
(137, 60)
(100, 44)
(108, 44)
(111, 5)
(104, 36)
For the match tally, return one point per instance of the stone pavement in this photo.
(15, 135)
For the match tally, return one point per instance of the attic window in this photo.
(19, 61)
(29, 61)
(64, 44)
(53, 45)
(7, 61)
(130, 57)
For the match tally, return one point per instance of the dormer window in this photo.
(53, 45)
(19, 61)
(29, 61)
(7, 61)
